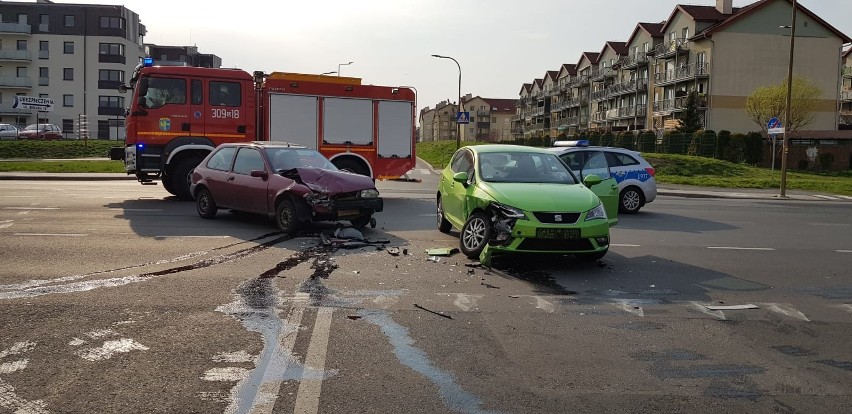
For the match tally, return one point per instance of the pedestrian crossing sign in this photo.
(463, 117)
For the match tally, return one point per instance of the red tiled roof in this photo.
(653, 29)
(593, 57)
(501, 105)
(620, 48)
(570, 68)
(552, 74)
(525, 88)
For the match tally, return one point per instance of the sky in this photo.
(499, 44)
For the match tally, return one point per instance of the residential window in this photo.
(111, 22)
(43, 95)
(68, 74)
(22, 18)
(68, 125)
(493, 119)
(646, 47)
(68, 48)
(21, 72)
(111, 75)
(43, 49)
(111, 101)
(69, 20)
(22, 45)
(116, 49)
(684, 33)
(68, 100)
(43, 75)
(44, 19)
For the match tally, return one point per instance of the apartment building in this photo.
(181, 56)
(720, 52)
(490, 119)
(846, 91)
(74, 54)
(439, 123)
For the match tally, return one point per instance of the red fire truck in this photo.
(179, 114)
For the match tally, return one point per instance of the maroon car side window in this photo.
(248, 159)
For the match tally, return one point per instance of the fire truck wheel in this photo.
(351, 166)
(167, 185)
(286, 217)
(182, 178)
(205, 204)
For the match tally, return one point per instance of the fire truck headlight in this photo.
(371, 193)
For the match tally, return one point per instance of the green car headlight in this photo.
(371, 193)
(509, 211)
(596, 213)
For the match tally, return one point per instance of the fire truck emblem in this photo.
(165, 124)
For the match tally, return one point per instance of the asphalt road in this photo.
(117, 298)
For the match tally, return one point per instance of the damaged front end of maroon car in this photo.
(338, 195)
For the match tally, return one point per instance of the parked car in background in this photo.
(41, 131)
(8, 131)
(635, 176)
(294, 184)
(514, 198)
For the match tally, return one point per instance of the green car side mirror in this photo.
(461, 177)
(592, 180)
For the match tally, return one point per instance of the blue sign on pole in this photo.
(463, 117)
(774, 123)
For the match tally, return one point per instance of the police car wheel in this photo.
(630, 200)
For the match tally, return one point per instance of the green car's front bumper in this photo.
(535, 237)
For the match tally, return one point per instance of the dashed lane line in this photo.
(308, 395)
(740, 248)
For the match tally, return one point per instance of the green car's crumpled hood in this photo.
(542, 196)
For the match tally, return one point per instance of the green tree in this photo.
(691, 120)
(767, 102)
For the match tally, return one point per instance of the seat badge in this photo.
(557, 217)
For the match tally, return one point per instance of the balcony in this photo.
(16, 82)
(16, 55)
(43, 81)
(847, 71)
(630, 62)
(682, 73)
(599, 95)
(676, 104)
(15, 28)
(103, 58)
(846, 95)
(671, 48)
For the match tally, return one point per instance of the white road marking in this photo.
(8, 398)
(830, 224)
(227, 374)
(30, 208)
(544, 304)
(5, 225)
(235, 357)
(307, 398)
(846, 197)
(142, 210)
(825, 197)
(628, 306)
(786, 309)
(845, 306)
(267, 393)
(703, 309)
(110, 348)
(192, 237)
(18, 348)
(740, 248)
(10, 367)
(464, 301)
(53, 234)
(843, 251)
(625, 245)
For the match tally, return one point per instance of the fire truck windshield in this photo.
(155, 92)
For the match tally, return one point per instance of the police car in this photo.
(635, 176)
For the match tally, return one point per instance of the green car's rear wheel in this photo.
(444, 226)
(475, 234)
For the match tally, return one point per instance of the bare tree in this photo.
(767, 102)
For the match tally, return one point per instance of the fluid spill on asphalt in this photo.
(844, 365)
(793, 350)
(256, 305)
(453, 396)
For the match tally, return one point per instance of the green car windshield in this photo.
(523, 167)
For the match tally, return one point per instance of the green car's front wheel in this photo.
(475, 235)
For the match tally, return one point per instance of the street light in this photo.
(785, 145)
(461, 105)
(328, 73)
(342, 64)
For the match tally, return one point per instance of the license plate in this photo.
(344, 213)
(557, 233)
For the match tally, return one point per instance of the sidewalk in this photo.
(674, 190)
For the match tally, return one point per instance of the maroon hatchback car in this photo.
(294, 184)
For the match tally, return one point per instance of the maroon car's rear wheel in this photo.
(205, 204)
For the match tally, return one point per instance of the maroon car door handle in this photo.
(231, 178)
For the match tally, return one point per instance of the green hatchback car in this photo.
(512, 198)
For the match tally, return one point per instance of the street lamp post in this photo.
(785, 144)
(342, 64)
(461, 105)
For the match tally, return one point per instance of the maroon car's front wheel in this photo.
(286, 218)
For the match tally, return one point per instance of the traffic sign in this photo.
(774, 126)
(31, 102)
(463, 117)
